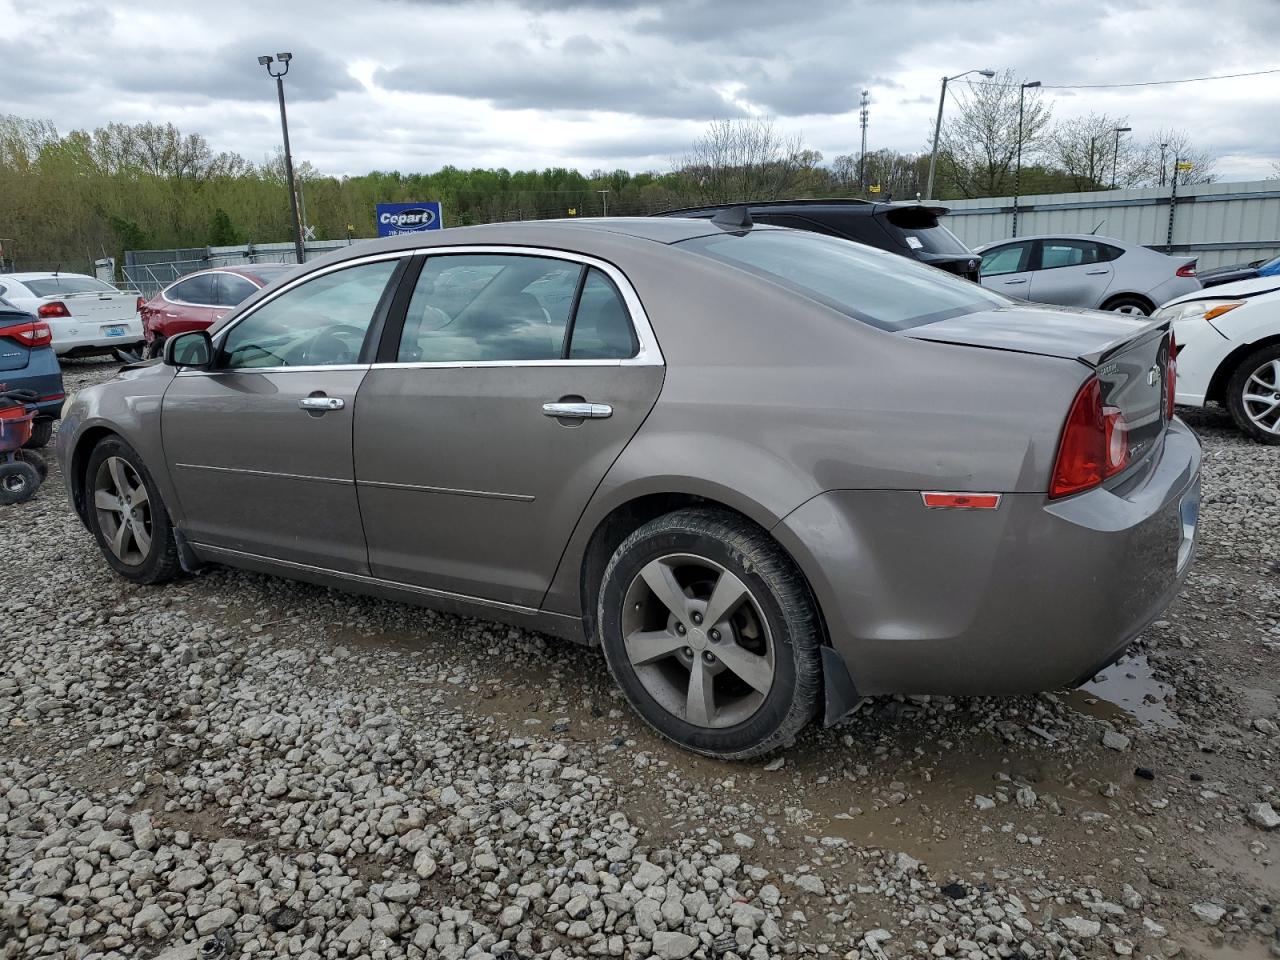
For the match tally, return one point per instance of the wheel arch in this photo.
(1112, 298)
(1218, 382)
(84, 445)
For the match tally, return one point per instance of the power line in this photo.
(1140, 83)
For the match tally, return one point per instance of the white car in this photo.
(1229, 352)
(86, 315)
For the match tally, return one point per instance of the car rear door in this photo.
(1074, 273)
(188, 305)
(502, 394)
(1007, 269)
(259, 445)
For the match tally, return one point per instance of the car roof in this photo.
(841, 204)
(44, 275)
(1067, 236)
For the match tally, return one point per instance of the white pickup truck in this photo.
(86, 315)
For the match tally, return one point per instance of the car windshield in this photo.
(1270, 268)
(66, 286)
(873, 286)
(920, 229)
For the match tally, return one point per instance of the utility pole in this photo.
(604, 199)
(1017, 170)
(266, 61)
(1115, 157)
(1163, 148)
(863, 114)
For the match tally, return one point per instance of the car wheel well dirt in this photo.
(1221, 377)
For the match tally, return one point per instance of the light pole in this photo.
(266, 61)
(1163, 148)
(1115, 156)
(1017, 170)
(937, 126)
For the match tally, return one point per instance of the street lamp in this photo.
(266, 61)
(1115, 156)
(1163, 148)
(937, 126)
(1017, 170)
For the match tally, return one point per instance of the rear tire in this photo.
(153, 349)
(1134, 306)
(748, 679)
(37, 461)
(1258, 376)
(18, 482)
(41, 433)
(127, 515)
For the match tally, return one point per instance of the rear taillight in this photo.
(1170, 377)
(35, 334)
(1094, 444)
(1187, 270)
(54, 310)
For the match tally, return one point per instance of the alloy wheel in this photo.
(1132, 309)
(124, 510)
(1261, 397)
(698, 640)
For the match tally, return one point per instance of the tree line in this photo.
(67, 199)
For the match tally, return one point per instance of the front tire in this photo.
(711, 633)
(1253, 395)
(127, 516)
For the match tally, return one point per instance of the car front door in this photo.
(1074, 273)
(501, 396)
(259, 445)
(1007, 269)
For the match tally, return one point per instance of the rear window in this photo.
(920, 230)
(65, 286)
(873, 286)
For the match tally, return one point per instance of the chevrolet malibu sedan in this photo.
(768, 472)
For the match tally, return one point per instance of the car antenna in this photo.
(1094, 231)
(734, 218)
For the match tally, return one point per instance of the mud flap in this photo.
(840, 696)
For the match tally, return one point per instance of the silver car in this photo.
(1086, 271)
(768, 472)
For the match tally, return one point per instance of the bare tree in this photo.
(979, 144)
(1175, 147)
(745, 159)
(898, 175)
(1085, 150)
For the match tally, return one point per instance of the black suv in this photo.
(907, 228)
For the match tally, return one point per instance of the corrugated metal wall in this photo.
(1221, 223)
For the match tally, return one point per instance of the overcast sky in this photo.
(413, 85)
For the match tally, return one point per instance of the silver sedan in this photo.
(1087, 271)
(767, 472)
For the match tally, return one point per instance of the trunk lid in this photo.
(1129, 355)
(98, 307)
(13, 354)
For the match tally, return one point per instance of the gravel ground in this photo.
(270, 769)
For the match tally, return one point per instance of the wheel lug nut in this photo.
(708, 656)
(680, 629)
(688, 651)
(714, 636)
(697, 617)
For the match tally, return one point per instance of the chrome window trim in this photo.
(310, 368)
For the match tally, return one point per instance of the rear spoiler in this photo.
(1151, 330)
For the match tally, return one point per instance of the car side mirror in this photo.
(194, 349)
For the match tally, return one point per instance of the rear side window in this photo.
(233, 289)
(198, 290)
(1069, 253)
(601, 326)
(873, 286)
(65, 286)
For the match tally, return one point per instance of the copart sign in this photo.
(397, 218)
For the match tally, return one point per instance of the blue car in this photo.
(27, 362)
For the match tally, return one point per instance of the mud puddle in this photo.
(1127, 688)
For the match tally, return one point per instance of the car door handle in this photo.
(1096, 273)
(322, 403)
(1019, 280)
(578, 411)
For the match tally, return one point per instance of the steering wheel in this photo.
(328, 347)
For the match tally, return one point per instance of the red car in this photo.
(194, 301)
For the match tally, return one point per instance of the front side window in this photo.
(198, 290)
(478, 308)
(873, 286)
(321, 322)
(1010, 259)
(1068, 253)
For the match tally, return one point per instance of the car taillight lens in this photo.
(1187, 270)
(1170, 377)
(1094, 444)
(53, 310)
(35, 334)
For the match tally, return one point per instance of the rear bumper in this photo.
(79, 338)
(1031, 596)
